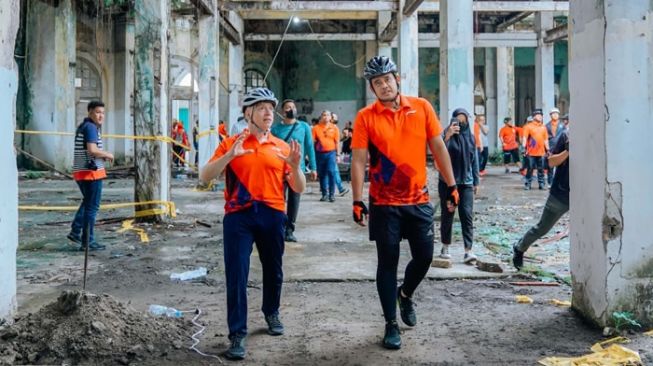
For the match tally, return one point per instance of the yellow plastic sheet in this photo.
(615, 355)
(557, 302)
(599, 345)
(649, 333)
(129, 225)
(523, 299)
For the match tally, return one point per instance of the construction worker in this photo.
(554, 129)
(292, 129)
(556, 205)
(256, 165)
(508, 136)
(393, 131)
(536, 141)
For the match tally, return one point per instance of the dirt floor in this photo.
(329, 305)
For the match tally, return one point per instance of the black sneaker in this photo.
(344, 191)
(517, 258)
(74, 238)
(541, 187)
(392, 337)
(290, 236)
(93, 247)
(275, 328)
(406, 309)
(527, 187)
(237, 349)
(324, 198)
(332, 199)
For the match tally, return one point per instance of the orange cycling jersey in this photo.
(536, 137)
(326, 137)
(508, 136)
(396, 141)
(255, 177)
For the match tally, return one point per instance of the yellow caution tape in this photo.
(615, 355)
(523, 299)
(649, 333)
(167, 139)
(599, 345)
(207, 132)
(193, 166)
(169, 210)
(557, 302)
(128, 225)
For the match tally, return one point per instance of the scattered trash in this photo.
(557, 302)
(164, 310)
(489, 266)
(597, 347)
(613, 355)
(202, 223)
(129, 225)
(609, 331)
(523, 299)
(441, 263)
(624, 319)
(649, 333)
(189, 275)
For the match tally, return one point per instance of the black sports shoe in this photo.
(93, 247)
(406, 309)
(74, 238)
(332, 199)
(392, 337)
(517, 258)
(236, 350)
(290, 236)
(323, 199)
(275, 328)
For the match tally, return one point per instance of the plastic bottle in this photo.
(164, 310)
(189, 275)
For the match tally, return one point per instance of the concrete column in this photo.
(236, 64)
(505, 85)
(371, 50)
(544, 83)
(208, 84)
(9, 20)
(408, 51)
(152, 158)
(124, 87)
(456, 57)
(611, 63)
(52, 44)
(491, 99)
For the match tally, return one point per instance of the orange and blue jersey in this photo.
(396, 142)
(326, 137)
(508, 136)
(536, 137)
(255, 177)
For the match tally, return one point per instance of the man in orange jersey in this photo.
(393, 131)
(256, 165)
(536, 141)
(88, 172)
(508, 136)
(326, 137)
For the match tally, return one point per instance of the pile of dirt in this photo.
(86, 328)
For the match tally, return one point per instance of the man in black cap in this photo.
(535, 140)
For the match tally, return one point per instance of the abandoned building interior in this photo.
(154, 62)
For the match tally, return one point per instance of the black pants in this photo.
(465, 213)
(292, 207)
(388, 225)
(535, 162)
(483, 154)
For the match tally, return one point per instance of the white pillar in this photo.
(408, 49)
(456, 57)
(505, 85)
(236, 64)
(207, 82)
(124, 87)
(9, 20)
(544, 82)
(611, 213)
(491, 98)
(371, 50)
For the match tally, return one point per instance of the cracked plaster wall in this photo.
(9, 17)
(611, 84)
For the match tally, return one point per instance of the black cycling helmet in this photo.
(258, 95)
(377, 66)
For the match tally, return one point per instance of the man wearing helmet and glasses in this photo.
(256, 165)
(394, 131)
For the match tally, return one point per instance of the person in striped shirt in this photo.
(88, 172)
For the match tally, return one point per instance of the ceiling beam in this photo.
(313, 14)
(504, 6)
(312, 37)
(410, 6)
(390, 31)
(302, 6)
(512, 20)
(229, 31)
(556, 33)
(204, 6)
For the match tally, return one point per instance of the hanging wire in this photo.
(362, 58)
(279, 48)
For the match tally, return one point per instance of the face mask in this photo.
(290, 114)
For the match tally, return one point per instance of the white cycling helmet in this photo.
(258, 95)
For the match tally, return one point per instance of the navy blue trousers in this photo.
(264, 226)
(87, 211)
(327, 171)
